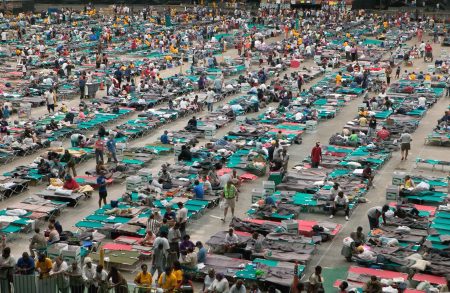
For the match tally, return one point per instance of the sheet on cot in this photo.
(304, 227)
(436, 280)
(128, 240)
(128, 258)
(360, 274)
(107, 219)
(89, 225)
(359, 286)
(431, 211)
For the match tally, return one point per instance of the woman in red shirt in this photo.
(71, 184)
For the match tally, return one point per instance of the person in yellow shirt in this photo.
(385, 24)
(339, 79)
(167, 281)
(412, 76)
(427, 77)
(144, 280)
(178, 272)
(43, 266)
(173, 50)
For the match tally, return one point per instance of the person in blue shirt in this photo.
(6, 112)
(165, 137)
(25, 265)
(82, 85)
(201, 255)
(269, 200)
(198, 190)
(118, 75)
(102, 192)
(111, 146)
(170, 215)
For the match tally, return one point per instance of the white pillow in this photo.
(420, 265)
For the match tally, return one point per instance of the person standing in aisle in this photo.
(316, 155)
(397, 72)
(405, 144)
(112, 148)
(102, 191)
(50, 100)
(99, 147)
(447, 85)
(230, 195)
(82, 85)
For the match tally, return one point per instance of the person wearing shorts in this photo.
(230, 196)
(102, 192)
(405, 144)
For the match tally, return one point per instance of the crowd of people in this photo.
(174, 254)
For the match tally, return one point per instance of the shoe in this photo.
(402, 159)
(331, 216)
(346, 218)
(223, 220)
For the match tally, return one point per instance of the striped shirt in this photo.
(153, 225)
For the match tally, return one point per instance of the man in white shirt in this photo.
(238, 287)
(48, 95)
(223, 180)
(382, 95)
(422, 48)
(405, 144)
(210, 99)
(334, 191)
(42, 49)
(8, 138)
(347, 52)
(59, 268)
(182, 217)
(231, 240)
(219, 285)
(64, 67)
(162, 238)
(422, 102)
(183, 104)
(4, 36)
(340, 202)
(88, 274)
(101, 279)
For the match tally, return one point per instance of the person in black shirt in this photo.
(43, 167)
(192, 124)
(372, 126)
(101, 131)
(185, 154)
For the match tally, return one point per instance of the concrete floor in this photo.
(328, 254)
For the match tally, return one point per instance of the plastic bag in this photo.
(348, 241)
(422, 186)
(222, 204)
